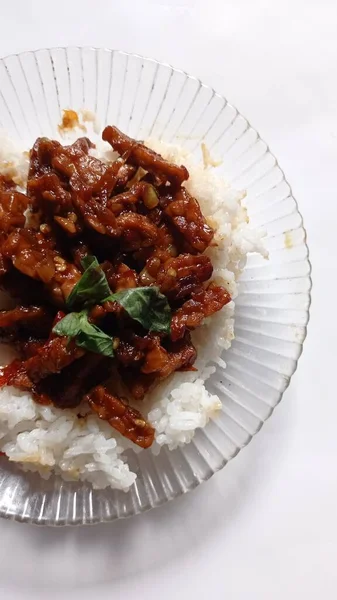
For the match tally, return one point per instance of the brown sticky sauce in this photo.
(70, 120)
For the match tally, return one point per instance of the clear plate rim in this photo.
(308, 277)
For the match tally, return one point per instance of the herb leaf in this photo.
(69, 326)
(88, 260)
(147, 306)
(93, 285)
(88, 336)
(93, 339)
(144, 304)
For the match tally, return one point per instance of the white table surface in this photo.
(265, 527)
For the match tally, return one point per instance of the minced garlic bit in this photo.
(44, 228)
(60, 264)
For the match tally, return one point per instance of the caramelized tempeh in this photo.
(202, 304)
(56, 354)
(36, 320)
(34, 255)
(127, 420)
(146, 231)
(76, 380)
(179, 277)
(185, 214)
(137, 153)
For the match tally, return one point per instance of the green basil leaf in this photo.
(93, 285)
(69, 326)
(87, 335)
(95, 340)
(88, 260)
(144, 304)
(147, 306)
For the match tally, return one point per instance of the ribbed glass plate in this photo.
(143, 97)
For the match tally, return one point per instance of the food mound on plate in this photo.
(109, 268)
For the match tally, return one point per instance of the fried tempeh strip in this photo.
(113, 218)
(34, 255)
(127, 420)
(35, 319)
(202, 304)
(13, 206)
(180, 355)
(185, 214)
(138, 154)
(64, 178)
(141, 368)
(29, 347)
(179, 277)
(65, 390)
(56, 354)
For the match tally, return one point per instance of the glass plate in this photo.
(144, 97)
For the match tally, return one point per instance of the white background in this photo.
(265, 528)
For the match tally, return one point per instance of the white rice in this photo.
(47, 439)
